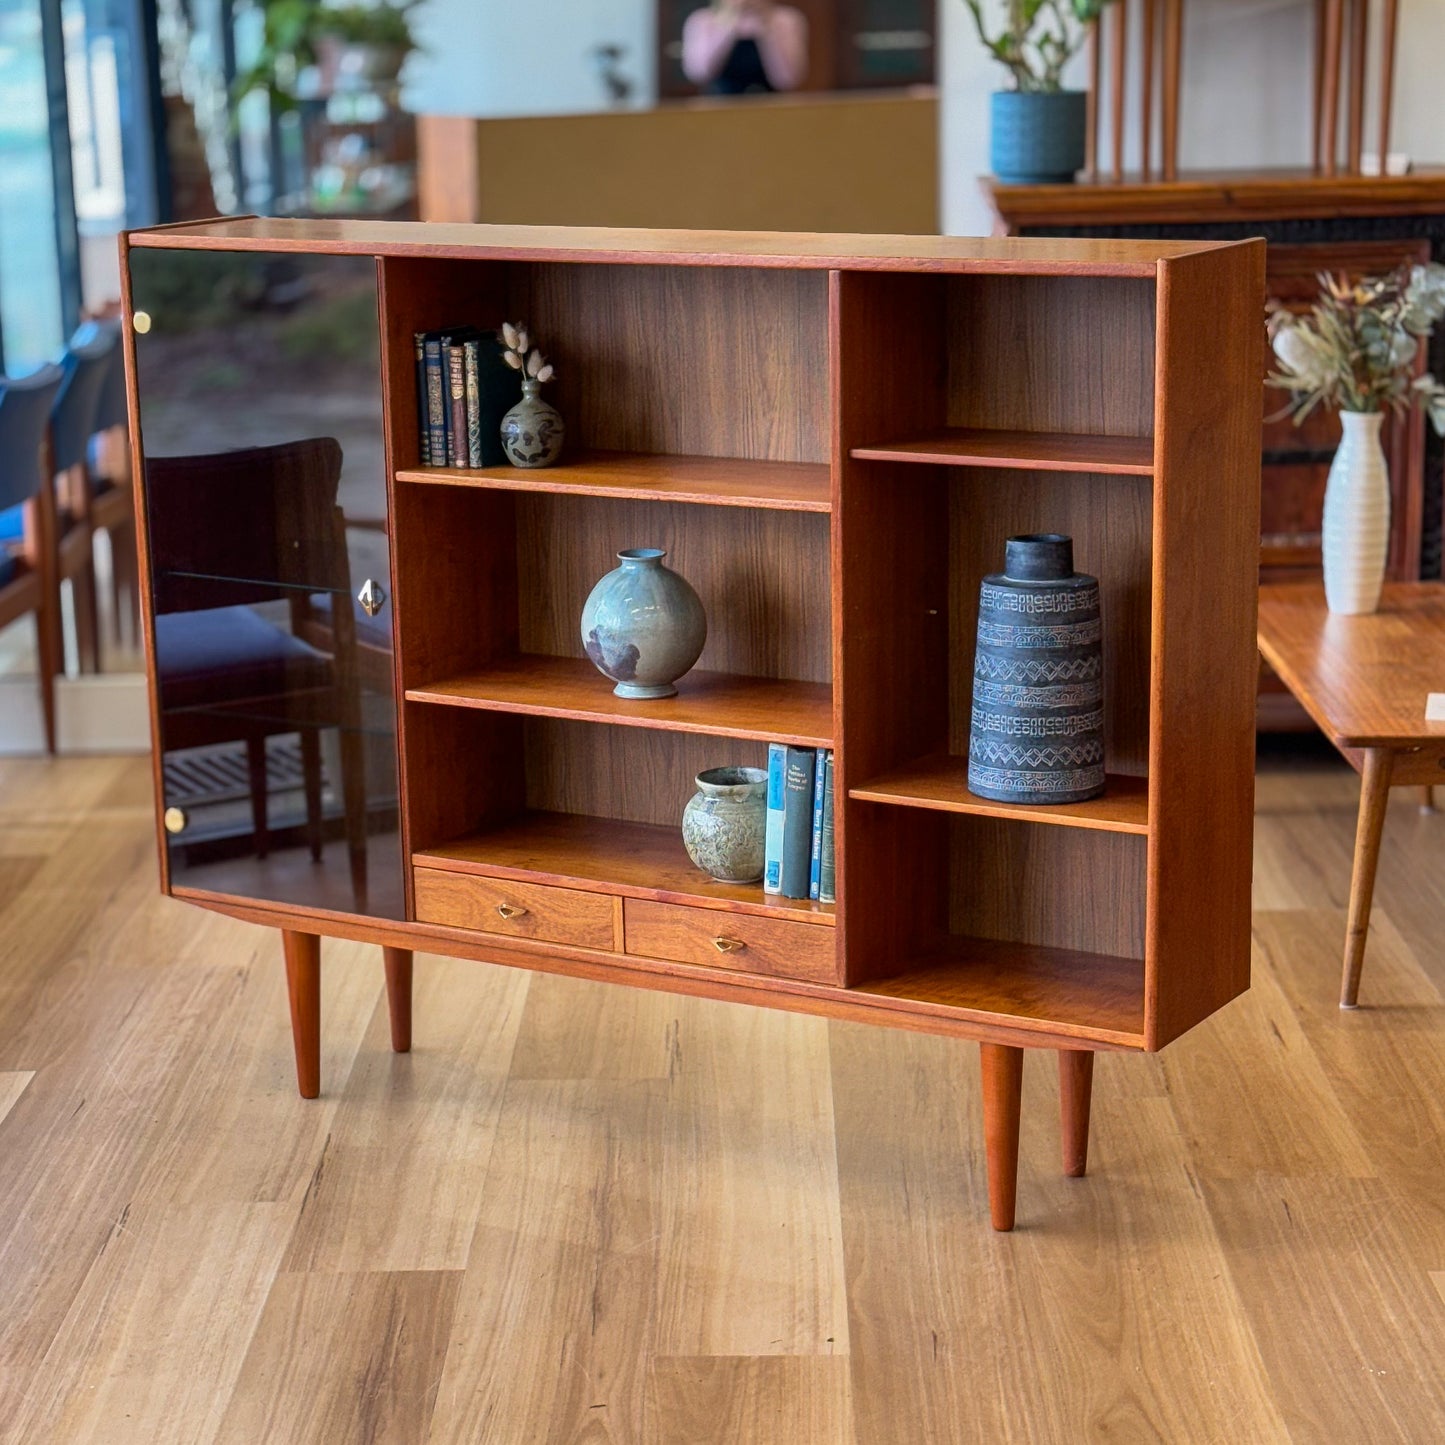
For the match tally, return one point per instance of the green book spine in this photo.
(471, 353)
(827, 871)
(797, 821)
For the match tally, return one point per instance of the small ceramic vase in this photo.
(643, 626)
(724, 823)
(532, 432)
(1356, 533)
(1037, 733)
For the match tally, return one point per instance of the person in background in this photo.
(732, 47)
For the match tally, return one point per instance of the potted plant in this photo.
(1355, 351)
(1037, 129)
(367, 42)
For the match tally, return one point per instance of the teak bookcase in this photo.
(832, 437)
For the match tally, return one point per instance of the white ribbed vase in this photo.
(1357, 516)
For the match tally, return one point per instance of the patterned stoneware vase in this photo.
(643, 626)
(532, 432)
(1037, 733)
(1356, 533)
(724, 823)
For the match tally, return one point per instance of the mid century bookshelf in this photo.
(831, 436)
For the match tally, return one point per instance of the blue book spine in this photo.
(797, 820)
(815, 864)
(773, 835)
(436, 411)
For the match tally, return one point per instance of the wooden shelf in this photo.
(708, 481)
(716, 703)
(941, 782)
(1027, 450)
(1087, 996)
(604, 855)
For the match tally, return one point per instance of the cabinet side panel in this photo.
(890, 569)
(1205, 665)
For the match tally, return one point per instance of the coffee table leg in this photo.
(1427, 799)
(1374, 796)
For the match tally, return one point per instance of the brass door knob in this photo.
(510, 910)
(372, 597)
(723, 944)
(175, 820)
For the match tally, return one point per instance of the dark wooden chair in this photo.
(27, 518)
(231, 604)
(111, 495)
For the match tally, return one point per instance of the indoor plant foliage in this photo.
(1355, 351)
(1037, 127)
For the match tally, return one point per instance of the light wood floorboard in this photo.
(577, 1213)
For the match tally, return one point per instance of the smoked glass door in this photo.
(265, 492)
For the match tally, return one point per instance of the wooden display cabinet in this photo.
(832, 437)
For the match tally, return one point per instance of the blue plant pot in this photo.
(1037, 138)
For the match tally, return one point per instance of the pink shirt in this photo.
(781, 33)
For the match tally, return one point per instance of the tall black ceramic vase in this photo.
(1037, 734)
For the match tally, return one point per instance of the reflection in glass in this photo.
(260, 402)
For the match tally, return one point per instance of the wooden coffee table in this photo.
(1364, 680)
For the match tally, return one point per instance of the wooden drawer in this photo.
(730, 940)
(515, 910)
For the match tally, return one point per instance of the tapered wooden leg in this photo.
(1427, 799)
(303, 986)
(256, 773)
(311, 787)
(1076, 1092)
(46, 666)
(398, 996)
(1374, 796)
(1003, 1076)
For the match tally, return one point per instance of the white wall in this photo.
(526, 57)
(1247, 66)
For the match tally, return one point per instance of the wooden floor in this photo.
(583, 1214)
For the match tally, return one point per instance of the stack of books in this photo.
(463, 390)
(798, 857)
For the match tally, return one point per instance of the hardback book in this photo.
(815, 856)
(827, 873)
(457, 454)
(471, 366)
(436, 411)
(773, 833)
(422, 431)
(798, 772)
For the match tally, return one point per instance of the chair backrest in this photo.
(86, 362)
(110, 404)
(247, 526)
(25, 404)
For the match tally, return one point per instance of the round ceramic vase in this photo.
(724, 823)
(532, 432)
(643, 626)
(1037, 733)
(1356, 533)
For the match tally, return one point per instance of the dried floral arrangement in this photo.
(535, 366)
(1037, 38)
(1356, 346)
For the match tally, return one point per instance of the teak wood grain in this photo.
(635, 860)
(1020, 450)
(706, 702)
(711, 385)
(1364, 680)
(704, 481)
(941, 781)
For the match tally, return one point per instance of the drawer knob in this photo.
(510, 910)
(723, 944)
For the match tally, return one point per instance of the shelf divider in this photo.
(607, 855)
(941, 782)
(1026, 450)
(706, 481)
(716, 703)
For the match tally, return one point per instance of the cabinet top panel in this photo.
(800, 250)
